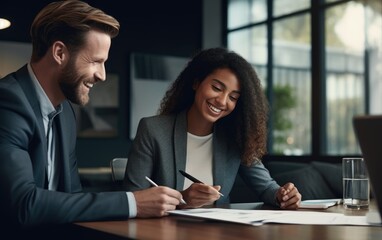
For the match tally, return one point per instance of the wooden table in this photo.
(176, 227)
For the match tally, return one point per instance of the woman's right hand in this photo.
(199, 194)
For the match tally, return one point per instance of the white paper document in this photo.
(259, 217)
(320, 203)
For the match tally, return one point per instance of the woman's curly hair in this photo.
(247, 124)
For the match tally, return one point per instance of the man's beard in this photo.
(70, 84)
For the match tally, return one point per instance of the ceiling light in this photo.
(4, 23)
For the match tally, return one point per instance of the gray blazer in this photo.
(159, 151)
(25, 199)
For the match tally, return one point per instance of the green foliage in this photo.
(283, 100)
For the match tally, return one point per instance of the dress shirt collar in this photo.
(46, 105)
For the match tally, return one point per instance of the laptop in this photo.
(368, 130)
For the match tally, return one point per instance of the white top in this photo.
(199, 159)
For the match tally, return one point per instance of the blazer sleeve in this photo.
(258, 178)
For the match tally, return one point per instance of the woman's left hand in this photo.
(288, 196)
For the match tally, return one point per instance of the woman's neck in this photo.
(197, 125)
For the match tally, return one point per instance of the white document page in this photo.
(320, 203)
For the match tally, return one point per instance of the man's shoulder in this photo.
(11, 91)
(7, 82)
(12, 82)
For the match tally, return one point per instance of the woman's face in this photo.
(216, 96)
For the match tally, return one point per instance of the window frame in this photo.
(318, 76)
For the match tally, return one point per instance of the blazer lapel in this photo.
(180, 147)
(63, 159)
(220, 157)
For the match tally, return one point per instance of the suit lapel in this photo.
(220, 157)
(180, 147)
(63, 159)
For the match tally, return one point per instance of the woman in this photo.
(212, 125)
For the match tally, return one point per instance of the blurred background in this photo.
(320, 62)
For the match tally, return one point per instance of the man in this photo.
(39, 181)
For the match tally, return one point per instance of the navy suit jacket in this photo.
(24, 198)
(159, 151)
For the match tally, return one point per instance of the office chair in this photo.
(118, 168)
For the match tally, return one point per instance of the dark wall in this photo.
(158, 27)
(169, 27)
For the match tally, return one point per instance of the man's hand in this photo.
(156, 201)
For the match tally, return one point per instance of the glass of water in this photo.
(356, 188)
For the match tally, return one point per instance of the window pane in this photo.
(330, 1)
(244, 12)
(251, 44)
(291, 107)
(282, 7)
(373, 24)
(345, 38)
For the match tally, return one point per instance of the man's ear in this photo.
(59, 52)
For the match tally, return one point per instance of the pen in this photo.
(193, 179)
(156, 185)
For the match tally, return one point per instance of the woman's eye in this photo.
(234, 98)
(216, 88)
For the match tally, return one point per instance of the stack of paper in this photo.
(320, 203)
